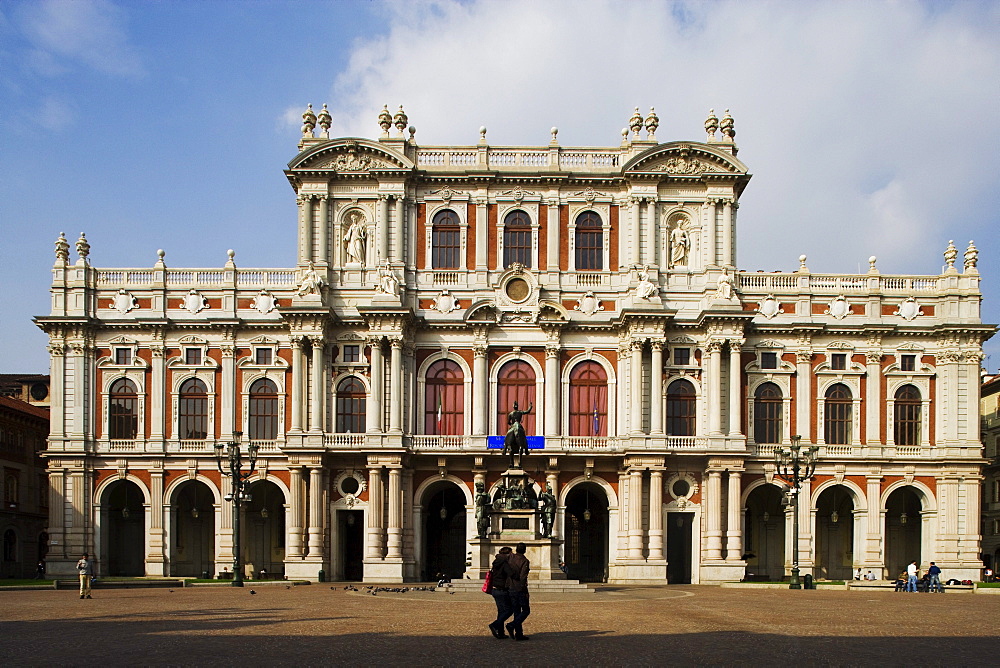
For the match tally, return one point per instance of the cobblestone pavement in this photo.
(323, 625)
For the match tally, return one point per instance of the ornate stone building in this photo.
(990, 414)
(437, 285)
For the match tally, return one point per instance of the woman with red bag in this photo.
(498, 583)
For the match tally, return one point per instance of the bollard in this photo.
(322, 575)
(807, 582)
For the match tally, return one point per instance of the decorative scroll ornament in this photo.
(124, 302)
(839, 308)
(588, 304)
(445, 302)
(194, 302)
(909, 309)
(770, 307)
(264, 302)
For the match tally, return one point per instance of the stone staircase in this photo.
(534, 586)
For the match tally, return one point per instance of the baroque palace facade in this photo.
(437, 285)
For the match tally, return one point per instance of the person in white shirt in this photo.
(911, 576)
(869, 576)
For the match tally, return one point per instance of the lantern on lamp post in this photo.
(795, 465)
(233, 456)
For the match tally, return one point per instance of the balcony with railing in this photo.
(434, 443)
(520, 157)
(197, 278)
(343, 441)
(590, 443)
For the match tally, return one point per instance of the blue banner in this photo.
(534, 442)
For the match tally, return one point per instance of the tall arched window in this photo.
(767, 414)
(444, 399)
(263, 417)
(588, 400)
(123, 410)
(192, 410)
(906, 416)
(517, 239)
(681, 403)
(446, 240)
(351, 406)
(589, 242)
(837, 427)
(516, 382)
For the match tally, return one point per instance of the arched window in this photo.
(516, 382)
(263, 418)
(123, 410)
(517, 239)
(680, 408)
(588, 400)
(444, 405)
(767, 414)
(446, 240)
(907, 416)
(837, 429)
(589, 242)
(192, 410)
(351, 406)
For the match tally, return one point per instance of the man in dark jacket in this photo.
(519, 592)
(500, 575)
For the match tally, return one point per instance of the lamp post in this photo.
(795, 466)
(231, 452)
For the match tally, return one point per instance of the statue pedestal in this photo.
(543, 553)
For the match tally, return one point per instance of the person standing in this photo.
(500, 574)
(519, 592)
(934, 572)
(86, 570)
(911, 577)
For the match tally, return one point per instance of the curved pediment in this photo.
(685, 159)
(350, 155)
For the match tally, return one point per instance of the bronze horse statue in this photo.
(516, 442)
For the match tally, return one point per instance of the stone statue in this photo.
(500, 498)
(516, 442)
(645, 289)
(547, 510)
(311, 282)
(355, 238)
(679, 244)
(387, 281)
(725, 287)
(483, 504)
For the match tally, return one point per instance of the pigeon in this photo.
(171, 591)
(252, 592)
(334, 588)
(288, 587)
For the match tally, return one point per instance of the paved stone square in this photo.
(321, 624)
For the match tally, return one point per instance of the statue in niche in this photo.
(311, 282)
(355, 237)
(680, 243)
(646, 289)
(516, 442)
(547, 510)
(483, 505)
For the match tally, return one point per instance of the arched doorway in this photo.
(192, 515)
(765, 534)
(586, 531)
(123, 529)
(444, 531)
(903, 510)
(835, 534)
(264, 527)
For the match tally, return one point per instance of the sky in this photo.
(871, 128)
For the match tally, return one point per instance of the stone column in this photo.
(294, 516)
(396, 386)
(656, 515)
(714, 394)
(323, 232)
(656, 389)
(397, 230)
(374, 417)
(734, 531)
(873, 398)
(554, 228)
(382, 229)
(316, 512)
(316, 400)
(873, 539)
(803, 395)
(227, 390)
(373, 541)
(727, 234)
(735, 373)
(713, 491)
(651, 237)
(636, 222)
(480, 386)
(482, 227)
(305, 228)
(635, 388)
(552, 479)
(155, 562)
(157, 396)
(298, 369)
(635, 514)
(395, 532)
(711, 240)
(552, 386)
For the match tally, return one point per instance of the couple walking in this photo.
(509, 576)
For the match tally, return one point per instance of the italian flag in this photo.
(440, 413)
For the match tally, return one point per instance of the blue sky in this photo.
(871, 128)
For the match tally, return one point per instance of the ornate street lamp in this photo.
(231, 451)
(795, 466)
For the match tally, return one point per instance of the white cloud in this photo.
(67, 33)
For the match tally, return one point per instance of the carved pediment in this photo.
(349, 156)
(685, 159)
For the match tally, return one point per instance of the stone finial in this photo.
(871, 265)
(652, 122)
(62, 249)
(400, 120)
(802, 264)
(308, 122)
(230, 263)
(950, 255)
(727, 128)
(482, 134)
(413, 132)
(971, 259)
(385, 120)
(325, 121)
(555, 133)
(82, 248)
(160, 254)
(711, 124)
(624, 135)
(635, 123)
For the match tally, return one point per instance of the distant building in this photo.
(30, 388)
(24, 487)
(990, 414)
(435, 286)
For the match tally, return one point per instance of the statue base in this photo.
(543, 553)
